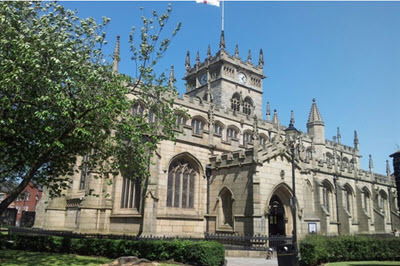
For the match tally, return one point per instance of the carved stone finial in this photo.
(268, 112)
(172, 77)
(222, 41)
(209, 51)
(237, 51)
(249, 59)
(275, 118)
(388, 168)
(116, 58)
(187, 61)
(197, 58)
(370, 163)
(291, 123)
(261, 59)
(356, 140)
(338, 136)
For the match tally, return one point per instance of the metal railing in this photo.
(230, 241)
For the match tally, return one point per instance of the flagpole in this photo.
(223, 14)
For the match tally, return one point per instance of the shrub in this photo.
(315, 250)
(185, 251)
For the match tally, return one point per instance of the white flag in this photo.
(209, 2)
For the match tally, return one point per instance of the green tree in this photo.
(60, 100)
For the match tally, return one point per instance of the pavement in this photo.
(241, 261)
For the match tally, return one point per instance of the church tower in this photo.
(227, 80)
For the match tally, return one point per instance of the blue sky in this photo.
(345, 54)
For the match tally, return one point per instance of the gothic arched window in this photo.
(382, 199)
(181, 184)
(197, 125)
(327, 196)
(232, 133)
(218, 128)
(247, 105)
(137, 109)
(225, 209)
(348, 199)
(130, 197)
(235, 102)
(263, 140)
(247, 138)
(366, 200)
(180, 120)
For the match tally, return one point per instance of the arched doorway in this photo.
(276, 217)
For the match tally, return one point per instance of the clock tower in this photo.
(227, 80)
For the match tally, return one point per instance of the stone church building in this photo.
(230, 171)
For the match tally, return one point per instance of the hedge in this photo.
(315, 250)
(185, 251)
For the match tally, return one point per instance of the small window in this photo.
(152, 117)
(218, 129)
(235, 102)
(247, 106)
(231, 133)
(180, 121)
(130, 197)
(197, 126)
(137, 110)
(263, 141)
(247, 138)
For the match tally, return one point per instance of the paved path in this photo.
(240, 261)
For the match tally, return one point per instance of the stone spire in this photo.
(187, 61)
(370, 163)
(249, 59)
(209, 51)
(356, 140)
(261, 59)
(237, 51)
(315, 124)
(116, 57)
(388, 168)
(268, 112)
(222, 41)
(197, 58)
(338, 136)
(315, 116)
(275, 118)
(171, 77)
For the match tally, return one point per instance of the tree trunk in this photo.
(15, 192)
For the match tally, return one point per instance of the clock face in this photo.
(242, 77)
(203, 79)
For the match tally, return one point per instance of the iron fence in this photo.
(230, 241)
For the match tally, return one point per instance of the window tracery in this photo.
(181, 184)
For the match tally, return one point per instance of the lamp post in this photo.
(292, 135)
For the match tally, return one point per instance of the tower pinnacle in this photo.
(275, 118)
(370, 163)
(187, 61)
(268, 112)
(209, 51)
(387, 168)
(261, 59)
(222, 41)
(237, 51)
(338, 136)
(355, 140)
(171, 77)
(116, 58)
(249, 59)
(314, 116)
(197, 58)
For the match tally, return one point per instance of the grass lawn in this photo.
(17, 257)
(364, 263)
